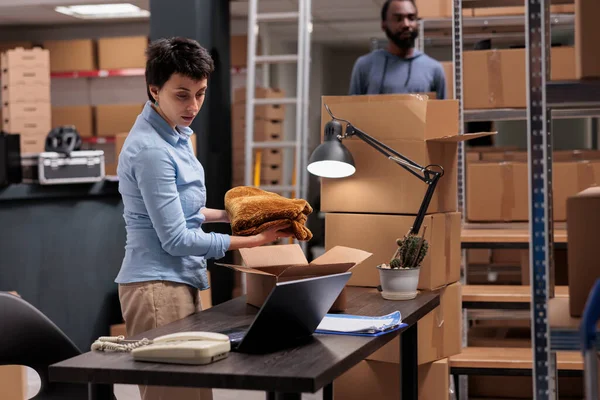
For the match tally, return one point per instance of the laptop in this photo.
(290, 314)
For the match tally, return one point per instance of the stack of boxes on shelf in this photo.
(98, 118)
(378, 204)
(268, 127)
(25, 83)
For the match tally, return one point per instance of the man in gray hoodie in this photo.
(399, 68)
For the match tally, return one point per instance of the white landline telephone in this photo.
(193, 347)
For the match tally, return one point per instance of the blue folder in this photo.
(360, 325)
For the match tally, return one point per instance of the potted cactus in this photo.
(399, 278)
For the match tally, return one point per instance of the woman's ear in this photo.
(154, 92)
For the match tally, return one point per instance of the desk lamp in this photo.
(331, 159)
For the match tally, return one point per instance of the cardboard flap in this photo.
(270, 256)
(316, 270)
(244, 269)
(342, 254)
(461, 138)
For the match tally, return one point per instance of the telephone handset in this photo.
(193, 347)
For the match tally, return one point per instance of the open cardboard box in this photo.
(424, 130)
(266, 265)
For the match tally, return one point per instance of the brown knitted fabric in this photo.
(252, 210)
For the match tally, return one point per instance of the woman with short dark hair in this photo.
(162, 185)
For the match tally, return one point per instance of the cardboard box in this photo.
(80, 116)
(506, 256)
(274, 112)
(266, 265)
(377, 234)
(29, 93)
(381, 381)
(71, 55)
(499, 191)
(264, 131)
(116, 118)
(439, 331)
(21, 58)
(583, 230)
(22, 67)
(479, 256)
(122, 52)
(239, 94)
(239, 50)
(31, 120)
(497, 78)
(425, 131)
(586, 46)
(267, 157)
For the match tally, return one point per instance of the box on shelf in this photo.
(497, 78)
(381, 381)
(519, 10)
(239, 50)
(239, 94)
(425, 131)
(71, 55)
(586, 44)
(499, 191)
(266, 265)
(34, 93)
(122, 52)
(439, 331)
(479, 256)
(264, 130)
(267, 157)
(31, 120)
(27, 59)
(440, 266)
(583, 228)
(275, 112)
(79, 116)
(116, 118)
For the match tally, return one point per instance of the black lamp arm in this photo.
(428, 175)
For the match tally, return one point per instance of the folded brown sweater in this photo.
(252, 210)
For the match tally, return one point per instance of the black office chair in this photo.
(29, 338)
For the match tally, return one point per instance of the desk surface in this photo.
(302, 369)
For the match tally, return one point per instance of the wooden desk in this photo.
(507, 236)
(285, 374)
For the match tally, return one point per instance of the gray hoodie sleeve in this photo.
(439, 83)
(358, 79)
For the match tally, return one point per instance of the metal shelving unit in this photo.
(546, 100)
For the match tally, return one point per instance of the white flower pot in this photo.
(398, 284)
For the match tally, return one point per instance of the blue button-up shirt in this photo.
(162, 185)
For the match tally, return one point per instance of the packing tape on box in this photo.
(586, 176)
(496, 93)
(508, 191)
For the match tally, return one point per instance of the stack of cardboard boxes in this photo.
(268, 127)
(102, 120)
(378, 204)
(26, 96)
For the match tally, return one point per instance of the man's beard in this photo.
(402, 43)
